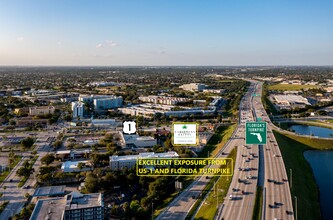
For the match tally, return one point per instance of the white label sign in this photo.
(185, 134)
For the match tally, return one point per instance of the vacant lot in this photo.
(289, 87)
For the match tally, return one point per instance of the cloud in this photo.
(111, 43)
(19, 38)
(99, 45)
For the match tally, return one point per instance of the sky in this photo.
(166, 32)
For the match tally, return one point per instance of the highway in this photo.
(182, 204)
(240, 199)
(278, 199)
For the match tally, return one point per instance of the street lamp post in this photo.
(296, 207)
(291, 178)
(217, 197)
(152, 210)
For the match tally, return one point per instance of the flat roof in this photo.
(80, 201)
(54, 208)
(49, 191)
(169, 154)
(49, 209)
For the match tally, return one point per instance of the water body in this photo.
(312, 130)
(322, 163)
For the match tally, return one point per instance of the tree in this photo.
(27, 195)
(48, 159)
(80, 165)
(27, 142)
(91, 183)
(57, 144)
(135, 205)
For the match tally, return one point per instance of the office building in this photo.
(41, 110)
(136, 141)
(193, 87)
(108, 103)
(129, 161)
(74, 206)
(78, 109)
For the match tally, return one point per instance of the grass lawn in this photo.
(317, 123)
(330, 121)
(208, 208)
(5, 173)
(218, 140)
(304, 185)
(161, 207)
(257, 209)
(286, 87)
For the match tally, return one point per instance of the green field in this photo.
(209, 207)
(218, 140)
(303, 182)
(289, 87)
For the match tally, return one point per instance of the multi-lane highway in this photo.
(182, 204)
(277, 196)
(240, 199)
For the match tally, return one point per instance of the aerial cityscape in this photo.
(166, 110)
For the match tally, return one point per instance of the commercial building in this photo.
(105, 123)
(29, 121)
(129, 161)
(108, 103)
(64, 155)
(193, 87)
(74, 206)
(78, 109)
(150, 110)
(215, 91)
(166, 100)
(41, 110)
(50, 191)
(136, 141)
(289, 101)
(73, 166)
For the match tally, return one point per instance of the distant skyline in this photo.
(166, 33)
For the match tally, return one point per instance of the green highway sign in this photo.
(254, 94)
(255, 133)
(259, 119)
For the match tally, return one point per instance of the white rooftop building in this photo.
(78, 109)
(129, 161)
(193, 87)
(72, 166)
(136, 141)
